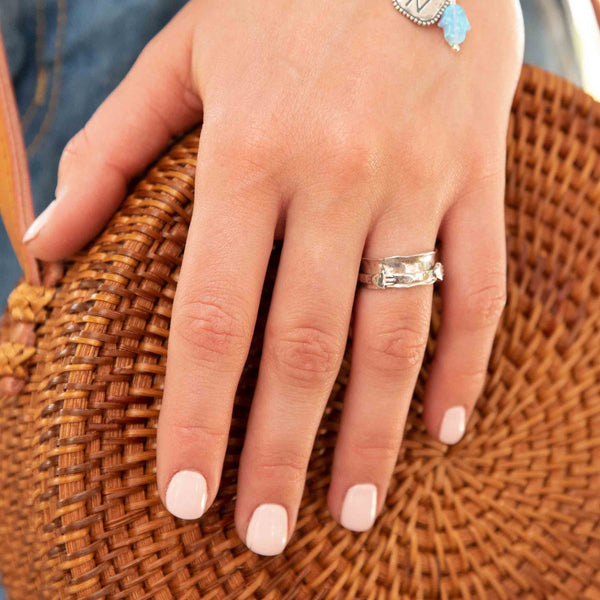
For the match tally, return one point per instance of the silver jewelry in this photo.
(400, 271)
(421, 12)
(452, 17)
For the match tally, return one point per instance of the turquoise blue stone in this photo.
(455, 24)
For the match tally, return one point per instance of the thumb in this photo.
(155, 101)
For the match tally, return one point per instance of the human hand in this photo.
(359, 134)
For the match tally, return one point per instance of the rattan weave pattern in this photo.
(512, 511)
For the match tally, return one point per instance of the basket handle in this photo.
(596, 7)
(16, 205)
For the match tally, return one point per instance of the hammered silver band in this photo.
(400, 271)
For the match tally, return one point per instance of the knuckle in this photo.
(280, 465)
(256, 145)
(352, 160)
(80, 149)
(374, 446)
(486, 155)
(305, 355)
(484, 305)
(185, 432)
(251, 147)
(473, 372)
(214, 328)
(485, 171)
(396, 349)
(75, 149)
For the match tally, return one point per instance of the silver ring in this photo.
(400, 271)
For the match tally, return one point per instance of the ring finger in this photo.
(390, 332)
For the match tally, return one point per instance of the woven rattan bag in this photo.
(513, 511)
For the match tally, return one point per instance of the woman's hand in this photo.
(359, 134)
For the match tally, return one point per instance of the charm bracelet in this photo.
(446, 13)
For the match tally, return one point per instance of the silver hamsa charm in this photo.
(422, 12)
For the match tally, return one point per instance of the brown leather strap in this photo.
(596, 5)
(16, 206)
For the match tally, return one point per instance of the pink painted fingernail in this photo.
(268, 529)
(186, 495)
(360, 505)
(37, 225)
(453, 425)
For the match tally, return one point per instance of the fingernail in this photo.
(37, 225)
(267, 531)
(360, 505)
(453, 425)
(186, 495)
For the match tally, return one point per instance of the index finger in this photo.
(214, 313)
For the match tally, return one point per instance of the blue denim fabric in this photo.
(66, 56)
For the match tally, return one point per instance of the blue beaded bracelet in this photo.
(446, 13)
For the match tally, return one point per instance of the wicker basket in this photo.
(512, 511)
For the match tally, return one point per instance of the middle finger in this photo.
(304, 342)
